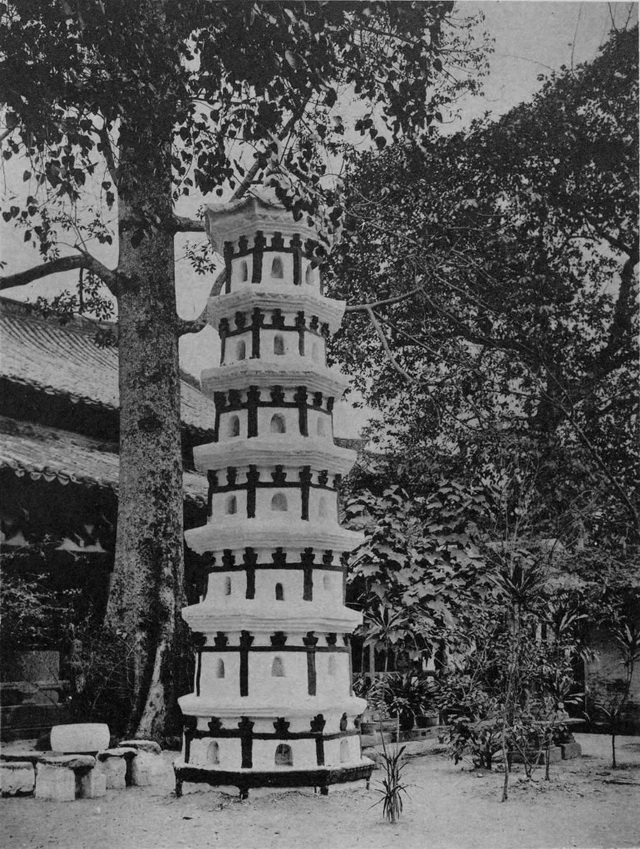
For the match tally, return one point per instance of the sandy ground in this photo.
(449, 807)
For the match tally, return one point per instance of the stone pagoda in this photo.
(272, 704)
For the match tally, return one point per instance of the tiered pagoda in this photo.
(272, 704)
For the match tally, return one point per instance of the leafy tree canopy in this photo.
(497, 272)
(207, 88)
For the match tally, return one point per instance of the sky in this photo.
(530, 38)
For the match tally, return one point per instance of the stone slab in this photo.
(17, 778)
(117, 752)
(141, 746)
(30, 756)
(72, 762)
(80, 737)
(55, 783)
(571, 750)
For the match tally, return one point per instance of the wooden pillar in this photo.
(305, 487)
(310, 642)
(250, 559)
(258, 251)
(246, 741)
(307, 574)
(228, 256)
(253, 476)
(246, 641)
(301, 400)
(317, 727)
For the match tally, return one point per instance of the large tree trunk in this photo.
(147, 588)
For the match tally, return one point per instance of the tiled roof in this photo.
(47, 453)
(64, 359)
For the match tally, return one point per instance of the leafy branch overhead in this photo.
(222, 94)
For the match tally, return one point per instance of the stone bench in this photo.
(64, 778)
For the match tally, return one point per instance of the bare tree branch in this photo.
(383, 340)
(250, 176)
(55, 266)
(188, 225)
(375, 304)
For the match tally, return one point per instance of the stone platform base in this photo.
(245, 780)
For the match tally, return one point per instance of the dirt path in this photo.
(448, 808)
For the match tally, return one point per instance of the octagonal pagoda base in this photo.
(289, 779)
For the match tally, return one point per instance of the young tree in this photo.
(497, 271)
(120, 109)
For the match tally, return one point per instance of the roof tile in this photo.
(64, 359)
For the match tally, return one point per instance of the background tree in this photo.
(495, 270)
(119, 110)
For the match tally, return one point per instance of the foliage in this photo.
(404, 696)
(33, 615)
(96, 661)
(499, 347)
(392, 789)
(472, 716)
(500, 266)
(511, 691)
(417, 567)
(235, 83)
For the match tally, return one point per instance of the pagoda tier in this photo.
(272, 702)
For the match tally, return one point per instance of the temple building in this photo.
(272, 702)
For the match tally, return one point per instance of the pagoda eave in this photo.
(259, 535)
(249, 297)
(289, 374)
(258, 708)
(207, 619)
(302, 451)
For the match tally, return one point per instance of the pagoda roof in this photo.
(46, 453)
(258, 209)
(64, 360)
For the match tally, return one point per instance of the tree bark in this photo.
(147, 587)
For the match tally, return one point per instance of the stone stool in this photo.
(115, 765)
(64, 778)
(148, 766)
(17, 778)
